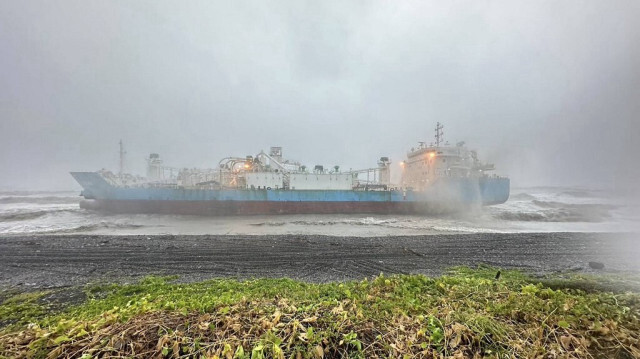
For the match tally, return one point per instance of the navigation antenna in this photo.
(439, 134)
(122, 153)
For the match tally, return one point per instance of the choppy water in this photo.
(539, 209)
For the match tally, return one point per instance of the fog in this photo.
(548, 91)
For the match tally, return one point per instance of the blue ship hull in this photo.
(443, 196)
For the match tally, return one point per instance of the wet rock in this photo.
(596, 265)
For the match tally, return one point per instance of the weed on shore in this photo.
(464, 314)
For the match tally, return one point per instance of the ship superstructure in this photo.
(427, 164)
(435, 178)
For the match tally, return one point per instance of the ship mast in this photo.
(439, 134)
(122, 153)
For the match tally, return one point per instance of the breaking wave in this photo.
(34, 193)
(577, 193)
(33, 214)
(21, 216)
(347, 224)
(65, 227)
(268, 224)
(551, 211)
(522, 197)
(97, 226)
(414, 225)
(367, 221)
(39, 200)
(560, 205)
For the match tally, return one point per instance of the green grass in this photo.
(22, 308)
(465, 313)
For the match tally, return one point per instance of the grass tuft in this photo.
(465, 313)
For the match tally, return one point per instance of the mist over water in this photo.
(536, 209)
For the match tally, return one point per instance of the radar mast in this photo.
(439, 134)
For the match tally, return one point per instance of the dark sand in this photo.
(36, 262)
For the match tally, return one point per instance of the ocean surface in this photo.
(536, 209)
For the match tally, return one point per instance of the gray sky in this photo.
(547, 90)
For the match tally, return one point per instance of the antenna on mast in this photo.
(122, 153)
(439, 134)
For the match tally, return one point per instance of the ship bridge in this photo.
(426, 164)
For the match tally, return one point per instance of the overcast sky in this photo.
(549, 91)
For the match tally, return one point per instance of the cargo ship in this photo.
(435, 178)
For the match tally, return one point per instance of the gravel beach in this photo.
(37, 262)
